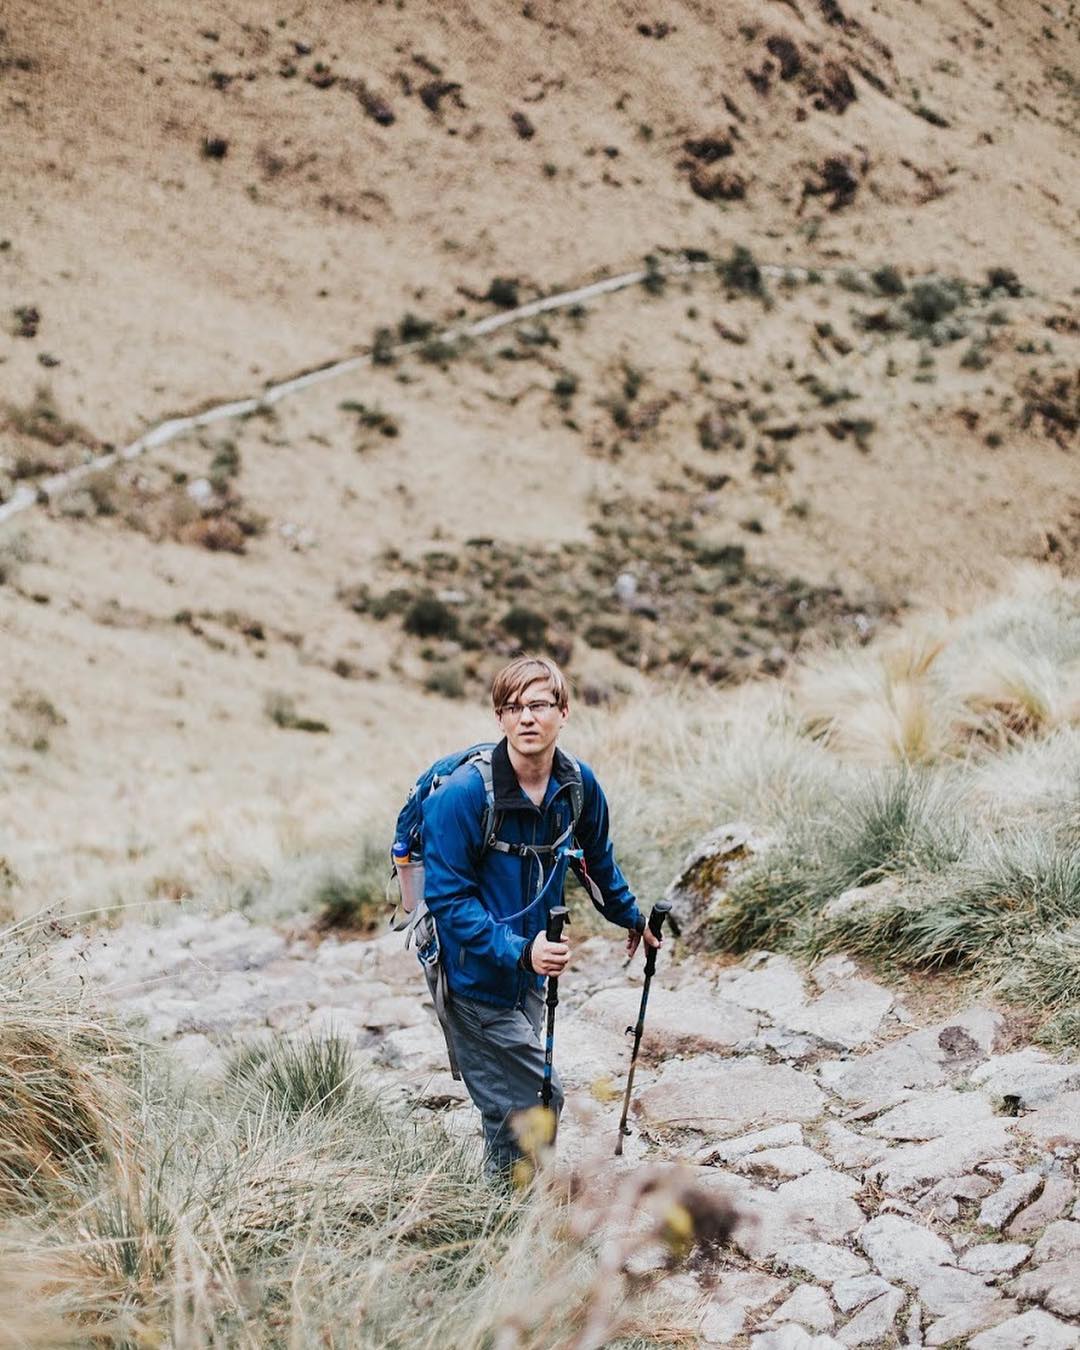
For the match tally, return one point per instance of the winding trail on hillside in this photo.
(49, 489)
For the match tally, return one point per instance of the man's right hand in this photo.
(548, 958)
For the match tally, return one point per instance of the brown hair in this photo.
(512, 679)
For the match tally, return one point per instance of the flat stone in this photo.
(1057, 1123)
(821, 1204)
(947, 1290)
(1055, 1284)
(962, 1323)
(854, 1291)
(902, 1250)
(738, 1293)
(791, 1336)
(772, 988)
(587, 1053)
(1057, 1195)
(731, 1150)
(726, 1097)
(926, 1058)
(795, 1161)
(875, 1322)
(929, 1115)
(809, 1306)
(420, 1048)
(1033, 1330)
(817, 1206)
(1013, 1194)
(995, 1258)
(1060, 1239)
(822, 1261)
(846, 1016)
(400, 1011)
(685, 1020)
(851, 1149)
(1030, 1077)
(913, 1166)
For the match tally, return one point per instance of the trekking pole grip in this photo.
(660, 912)
(558, 916)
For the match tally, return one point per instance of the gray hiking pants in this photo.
(500, 1053)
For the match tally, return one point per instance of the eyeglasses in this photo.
(538, 708)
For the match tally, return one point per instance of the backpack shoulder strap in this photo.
(482, 763)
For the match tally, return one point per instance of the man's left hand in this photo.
(651, 940)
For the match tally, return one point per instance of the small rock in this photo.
(876, 1322)
(1060, 1239)
(902, 1250)
(1033, 1330)
(854, 1291)
(865, 900)
(784, 1162)
(1030, 1077)
(941, 1201)
(1057, 1194)
(913, 1330)
(822, 1261)
(791, 1336)
(1057, 1123)
(850, 1149)
(1015, 1192)
(809, 1306)
(738, 1292)
(995, 1258)
(522, 125)
(731, 1150)
(1056, 1284)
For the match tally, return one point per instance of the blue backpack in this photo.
(407, 849)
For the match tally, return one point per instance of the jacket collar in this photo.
(507, 791)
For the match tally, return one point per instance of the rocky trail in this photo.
(901, 1180)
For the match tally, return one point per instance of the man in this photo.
(484, 898)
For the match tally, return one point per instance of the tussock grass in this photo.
(945, 760)
(287, 1205)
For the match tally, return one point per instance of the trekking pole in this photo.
(660, 912)
(556, 919)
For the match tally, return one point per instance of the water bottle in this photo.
(410, 874)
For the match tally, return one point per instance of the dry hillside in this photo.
(694, 476)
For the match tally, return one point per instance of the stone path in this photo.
(900, 1183)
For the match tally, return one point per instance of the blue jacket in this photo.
(475, 893)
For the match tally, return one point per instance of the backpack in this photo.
(419, 924)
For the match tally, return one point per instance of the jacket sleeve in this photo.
(619, 905)
(453, 848)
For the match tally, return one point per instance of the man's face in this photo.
(531, 719)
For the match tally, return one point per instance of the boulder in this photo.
(709, 869)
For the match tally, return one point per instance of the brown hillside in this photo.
(200, 201)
